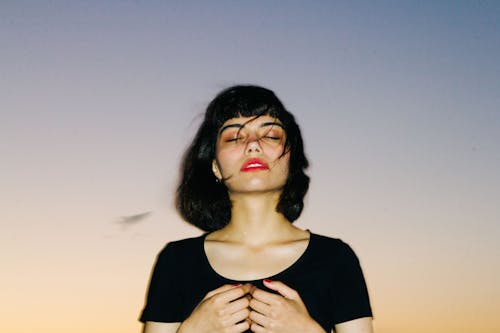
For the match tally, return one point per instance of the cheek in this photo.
(226, 157)
(283, 163)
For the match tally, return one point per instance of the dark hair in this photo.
(203, 201)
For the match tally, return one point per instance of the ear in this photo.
(215, 170)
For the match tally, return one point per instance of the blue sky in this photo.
(398, 102)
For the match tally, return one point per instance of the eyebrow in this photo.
(240, 126)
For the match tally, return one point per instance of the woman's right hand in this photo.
(223, 310)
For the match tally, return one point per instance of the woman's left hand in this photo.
(283, 313)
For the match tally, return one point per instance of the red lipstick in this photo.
(254, 164)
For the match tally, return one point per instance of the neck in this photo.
(255, 221)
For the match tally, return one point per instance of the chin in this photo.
(257, 188)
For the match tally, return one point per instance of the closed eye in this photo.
(234, 139)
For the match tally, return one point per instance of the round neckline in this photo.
(291, 267)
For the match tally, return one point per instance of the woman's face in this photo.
(249, 155)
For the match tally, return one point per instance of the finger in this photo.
(220, 290)
(237, 305)
(259, 319)
(256, 328)
(239, 316)
(247, 287)
(282, 288)
(266, 297)
(240, 327)
(233, 293)
(260, 307)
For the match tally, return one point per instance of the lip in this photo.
(254, 164)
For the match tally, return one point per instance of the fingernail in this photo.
(236, 284)
(267, 280)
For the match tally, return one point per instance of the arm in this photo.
(360, 325)
(155, 327)
(351, 304)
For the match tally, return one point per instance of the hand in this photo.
(224, 309)
(284, 313)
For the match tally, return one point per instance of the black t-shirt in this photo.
(327, 277)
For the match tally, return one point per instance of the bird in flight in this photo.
(133, 219)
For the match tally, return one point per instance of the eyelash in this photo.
(265, 137)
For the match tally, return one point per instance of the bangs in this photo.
(249, 102)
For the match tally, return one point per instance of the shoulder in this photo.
(330, 243)
(334, 248)
(183, 248)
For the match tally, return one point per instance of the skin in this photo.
(258, 242)
(243, 138)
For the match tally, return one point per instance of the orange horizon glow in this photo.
(398, 107)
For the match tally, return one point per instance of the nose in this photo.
(253, 145)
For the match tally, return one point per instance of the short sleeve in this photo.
(349, 291)
(163, 298)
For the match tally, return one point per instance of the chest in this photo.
(241, 263)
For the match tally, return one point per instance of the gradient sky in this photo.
(398, 101)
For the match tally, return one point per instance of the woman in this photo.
(243, 182)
